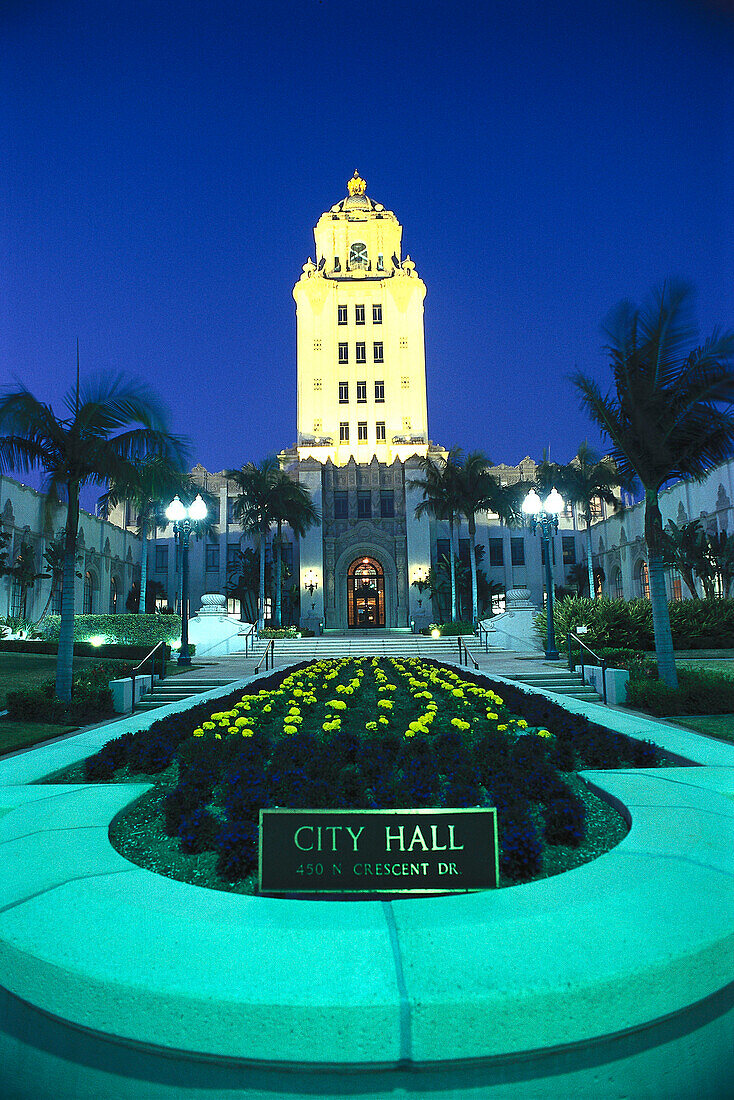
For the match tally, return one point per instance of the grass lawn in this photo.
(709, 664)
(21, 735)
(718, 725)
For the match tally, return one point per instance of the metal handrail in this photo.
(150, 657)
(483, 636)
(467, 655)
(600, 662)
(269, 651)
(250, 636)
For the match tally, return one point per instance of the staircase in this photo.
(562, 682)
(175, 688)
(365, 644)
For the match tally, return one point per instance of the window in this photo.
(337, 264)
(443, 549)
(213, 511)
(161, 559)
(17, 610)
(230, 509)
(405, 382)
(343, 353)
(387, 503)
(233, 555)
(361, 352)
(361, 393)
(406, 423)
(380, 262)
(643, 580)
(341, 505)
(377, 314)
(89, 592)
(569, 549)
(358, 256)
(377, 351)
(617, 586)
(676, 592)
(464, 552)
(317, 385)
(343, 393)
(359, 315)
(517, 551)
(496, 552)
(317, 345)
(364, 504)
(317, 426)
(344, 432)
(362, 431)
(113, 596)
(341, 313)
(379, 392)
(380, 431)
(212, 557)
(597, 508)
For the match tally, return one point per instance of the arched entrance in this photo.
(365, 594)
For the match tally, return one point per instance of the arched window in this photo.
(17, 601)
(365, 593)
(643, 581)
(113, 595)
(358, 255)
(617, 586)
(89, 593)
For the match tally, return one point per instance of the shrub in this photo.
(198, 830)
(699, 691)
(139, 630)
(565, 821)
(236, 843)
(520, 851)
(91, 699)
(452, 630)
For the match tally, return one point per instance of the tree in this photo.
(667, 416)
(110, 426)
(242, 583)
(587, 477)
(24, 572)
(254, 508)
(291, 503)
(441, 500)
(155, 480)
(480, 491)
(684, 549)
(721, 551)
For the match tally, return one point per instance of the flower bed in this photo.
(365, 734)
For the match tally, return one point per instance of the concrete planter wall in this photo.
(122, 692)
(613, 979)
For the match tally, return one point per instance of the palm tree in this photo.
(95, 443)
(480, 491)
(665, 416)
(684, 549)
(291, 504)
(254, 508)
(441, 500)
(157, 478)
(586, 478)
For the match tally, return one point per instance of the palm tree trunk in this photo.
(658, 595)
(261, 610)
(65, 658)
(278, 566)
(590, 564)
(473, 563)
(452, 563)
(143, 569)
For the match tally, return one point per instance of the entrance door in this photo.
(365, 594)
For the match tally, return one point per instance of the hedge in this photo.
(83, 649)
(138, 630)
(627, 624)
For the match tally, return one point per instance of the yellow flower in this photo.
(544, 733)
(290, 729)
(267, 709)
(491, 714)
(503, 728)
(207, 725)
(522, 724)
(384, 721)
(337, 704)
(371, 726)
(198, 732)
(386, 703)
(409, 732)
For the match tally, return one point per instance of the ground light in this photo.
(543, 515)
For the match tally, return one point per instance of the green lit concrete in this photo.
(613, 978)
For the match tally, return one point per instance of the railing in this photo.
(464, 655)
(152, 658)
(598, 661)
(250, 639)
(483, 635)
(268, 656)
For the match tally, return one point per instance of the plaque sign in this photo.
(378, 851)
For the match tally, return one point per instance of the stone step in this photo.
(569, 684)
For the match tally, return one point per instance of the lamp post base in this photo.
(550, 655)
(184, 660)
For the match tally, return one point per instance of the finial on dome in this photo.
(356, 185)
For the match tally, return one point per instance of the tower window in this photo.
(387, 504)
(364, 504)
(317, 385)
(358, 256)
(380, 431)
(343, 393)
(341, 505)
(359, 315)
(317, 345)
(377, 314)
(378, 352)
(341, 315)
(361, 352)
(344, 431)
(337, 264)
(379, 392)
(380, 262)
(344, 353)
(362, 431)
(405, 382)
(361, 393)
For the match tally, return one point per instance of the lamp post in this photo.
(183, 519)
(311, 583)
(543, 515)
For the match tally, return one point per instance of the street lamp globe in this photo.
(197, 509)
(554, 503)
(532, 505)
(175, 511)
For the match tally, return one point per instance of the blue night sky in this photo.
(164, 164)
